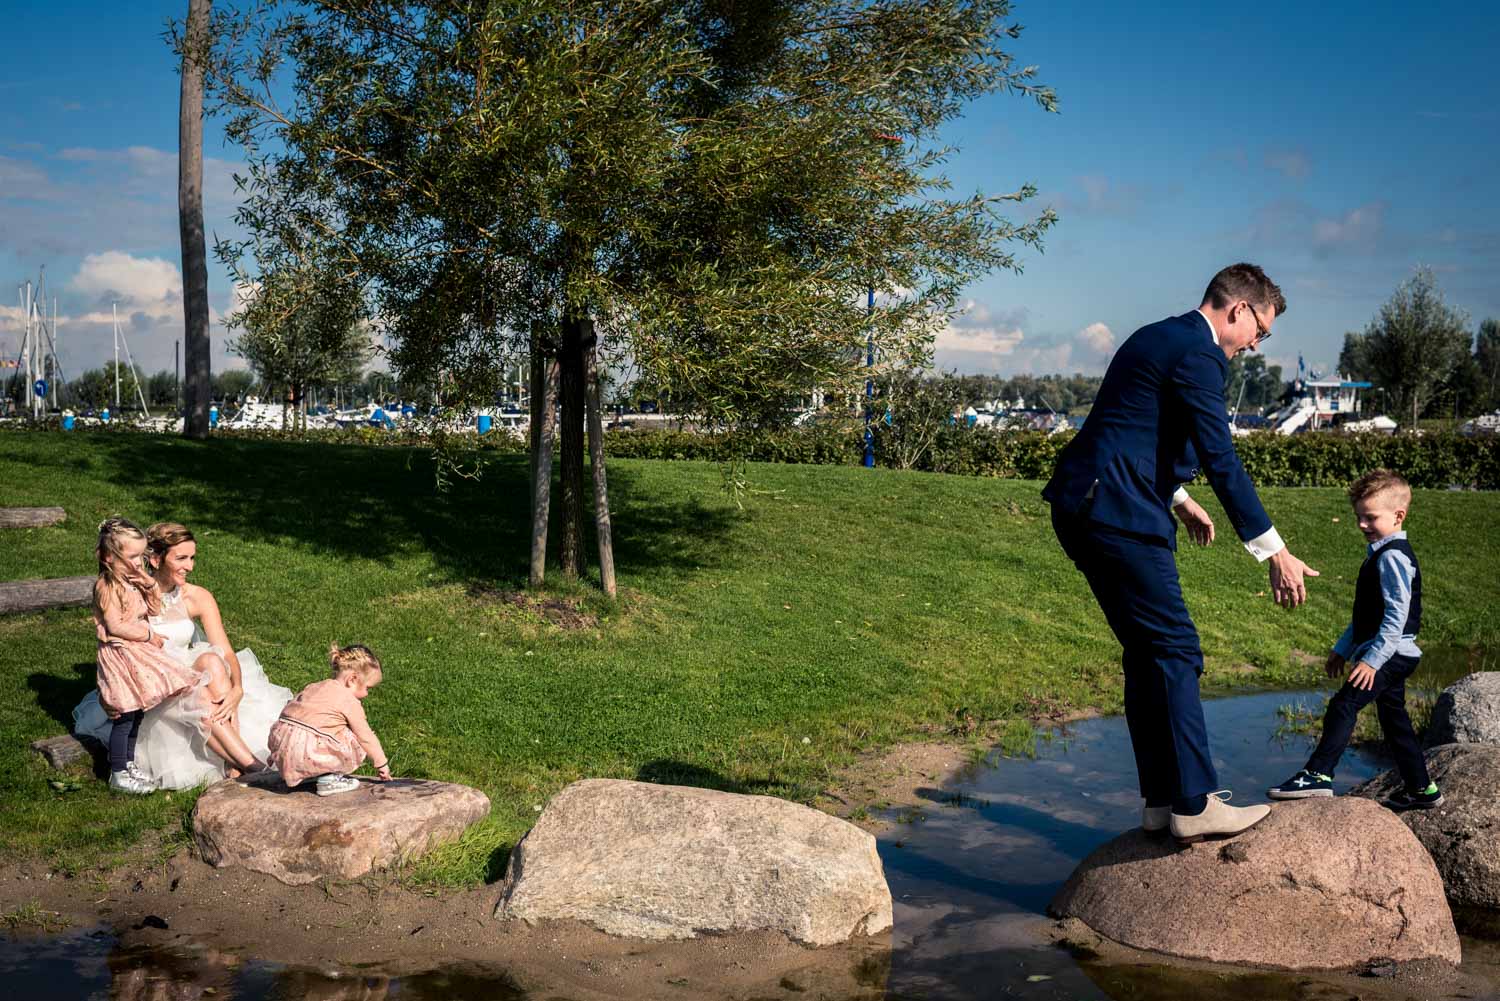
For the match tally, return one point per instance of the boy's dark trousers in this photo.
(1389, 696)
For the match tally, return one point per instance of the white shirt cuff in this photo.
(1265, 545)
(1180, 496)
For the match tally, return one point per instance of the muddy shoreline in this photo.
(215, 921)
(377, 925)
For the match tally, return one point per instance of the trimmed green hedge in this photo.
(1304, 460)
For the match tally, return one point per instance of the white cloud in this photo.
(148, 285)
(1291, 223)
(146, 294)
(1292, 162)
(1097, 338)
(982, 340)
(1359, 227)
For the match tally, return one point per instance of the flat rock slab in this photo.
(1463, 834)
(651, 861)
(1319, 884)
(31, 517)
(298, 836)
(1468, 712)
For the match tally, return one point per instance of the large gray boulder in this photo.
(1468, 712)
(1463, 834)
(1319, 884)
(668, 862)
(298, 836)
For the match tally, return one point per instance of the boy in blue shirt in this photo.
(1381, 643)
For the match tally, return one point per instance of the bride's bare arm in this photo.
(203, 607)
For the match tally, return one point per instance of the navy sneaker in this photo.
(1428, 799)
(1303, 785)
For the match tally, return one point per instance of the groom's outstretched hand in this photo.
(1287, 573)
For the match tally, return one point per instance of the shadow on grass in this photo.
(366, 502)
(666, 771)
(56, 696)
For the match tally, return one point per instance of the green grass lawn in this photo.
(756, 649)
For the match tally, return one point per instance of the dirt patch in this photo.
(887, 781)
(377, 926)
(566, 613)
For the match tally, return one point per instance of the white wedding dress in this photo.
(171, 746)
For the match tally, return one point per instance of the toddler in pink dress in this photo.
(134, 672)
(323, 732)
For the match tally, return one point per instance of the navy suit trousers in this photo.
(1134, 579)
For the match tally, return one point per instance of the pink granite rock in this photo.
(1320, 883)
(298, 836)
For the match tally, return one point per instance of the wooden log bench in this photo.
(31, 517)
(35, 595)
(66, 748)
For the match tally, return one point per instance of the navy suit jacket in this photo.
(1159, 416)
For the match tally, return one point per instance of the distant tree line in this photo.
(94, 389)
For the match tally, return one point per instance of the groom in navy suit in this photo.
(1160, 418)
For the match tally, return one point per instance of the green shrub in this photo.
(1432, 460)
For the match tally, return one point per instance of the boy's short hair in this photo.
(1382, 481)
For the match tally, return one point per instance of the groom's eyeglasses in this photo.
(1261, 333)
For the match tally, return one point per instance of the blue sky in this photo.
(1339, 145)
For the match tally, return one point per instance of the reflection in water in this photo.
(970, 879)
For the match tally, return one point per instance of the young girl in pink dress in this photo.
(323, 732)
(135, 673)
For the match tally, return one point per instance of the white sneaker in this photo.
(1218, 819)
(332, 785)
(123, 781)
(139, 775)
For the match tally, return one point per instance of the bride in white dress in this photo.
(187, 741)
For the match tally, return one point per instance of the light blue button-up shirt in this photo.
(1396, 574)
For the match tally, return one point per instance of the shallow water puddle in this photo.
(971, 874)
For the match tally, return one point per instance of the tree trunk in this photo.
(596, 462)
(199, 383)
(543, 415)
(35, 595)
(571, 416)
(31, 517)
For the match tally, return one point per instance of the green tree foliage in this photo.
(1487, 366)
(1253, 385)
(301, 330)
(233, 383)
(1415, 347)
(707, 186)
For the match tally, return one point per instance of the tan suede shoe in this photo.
(1218, 820)
(1154, 819)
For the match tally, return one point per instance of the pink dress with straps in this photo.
(135, 673)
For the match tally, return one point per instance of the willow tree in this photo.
(706, 187)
